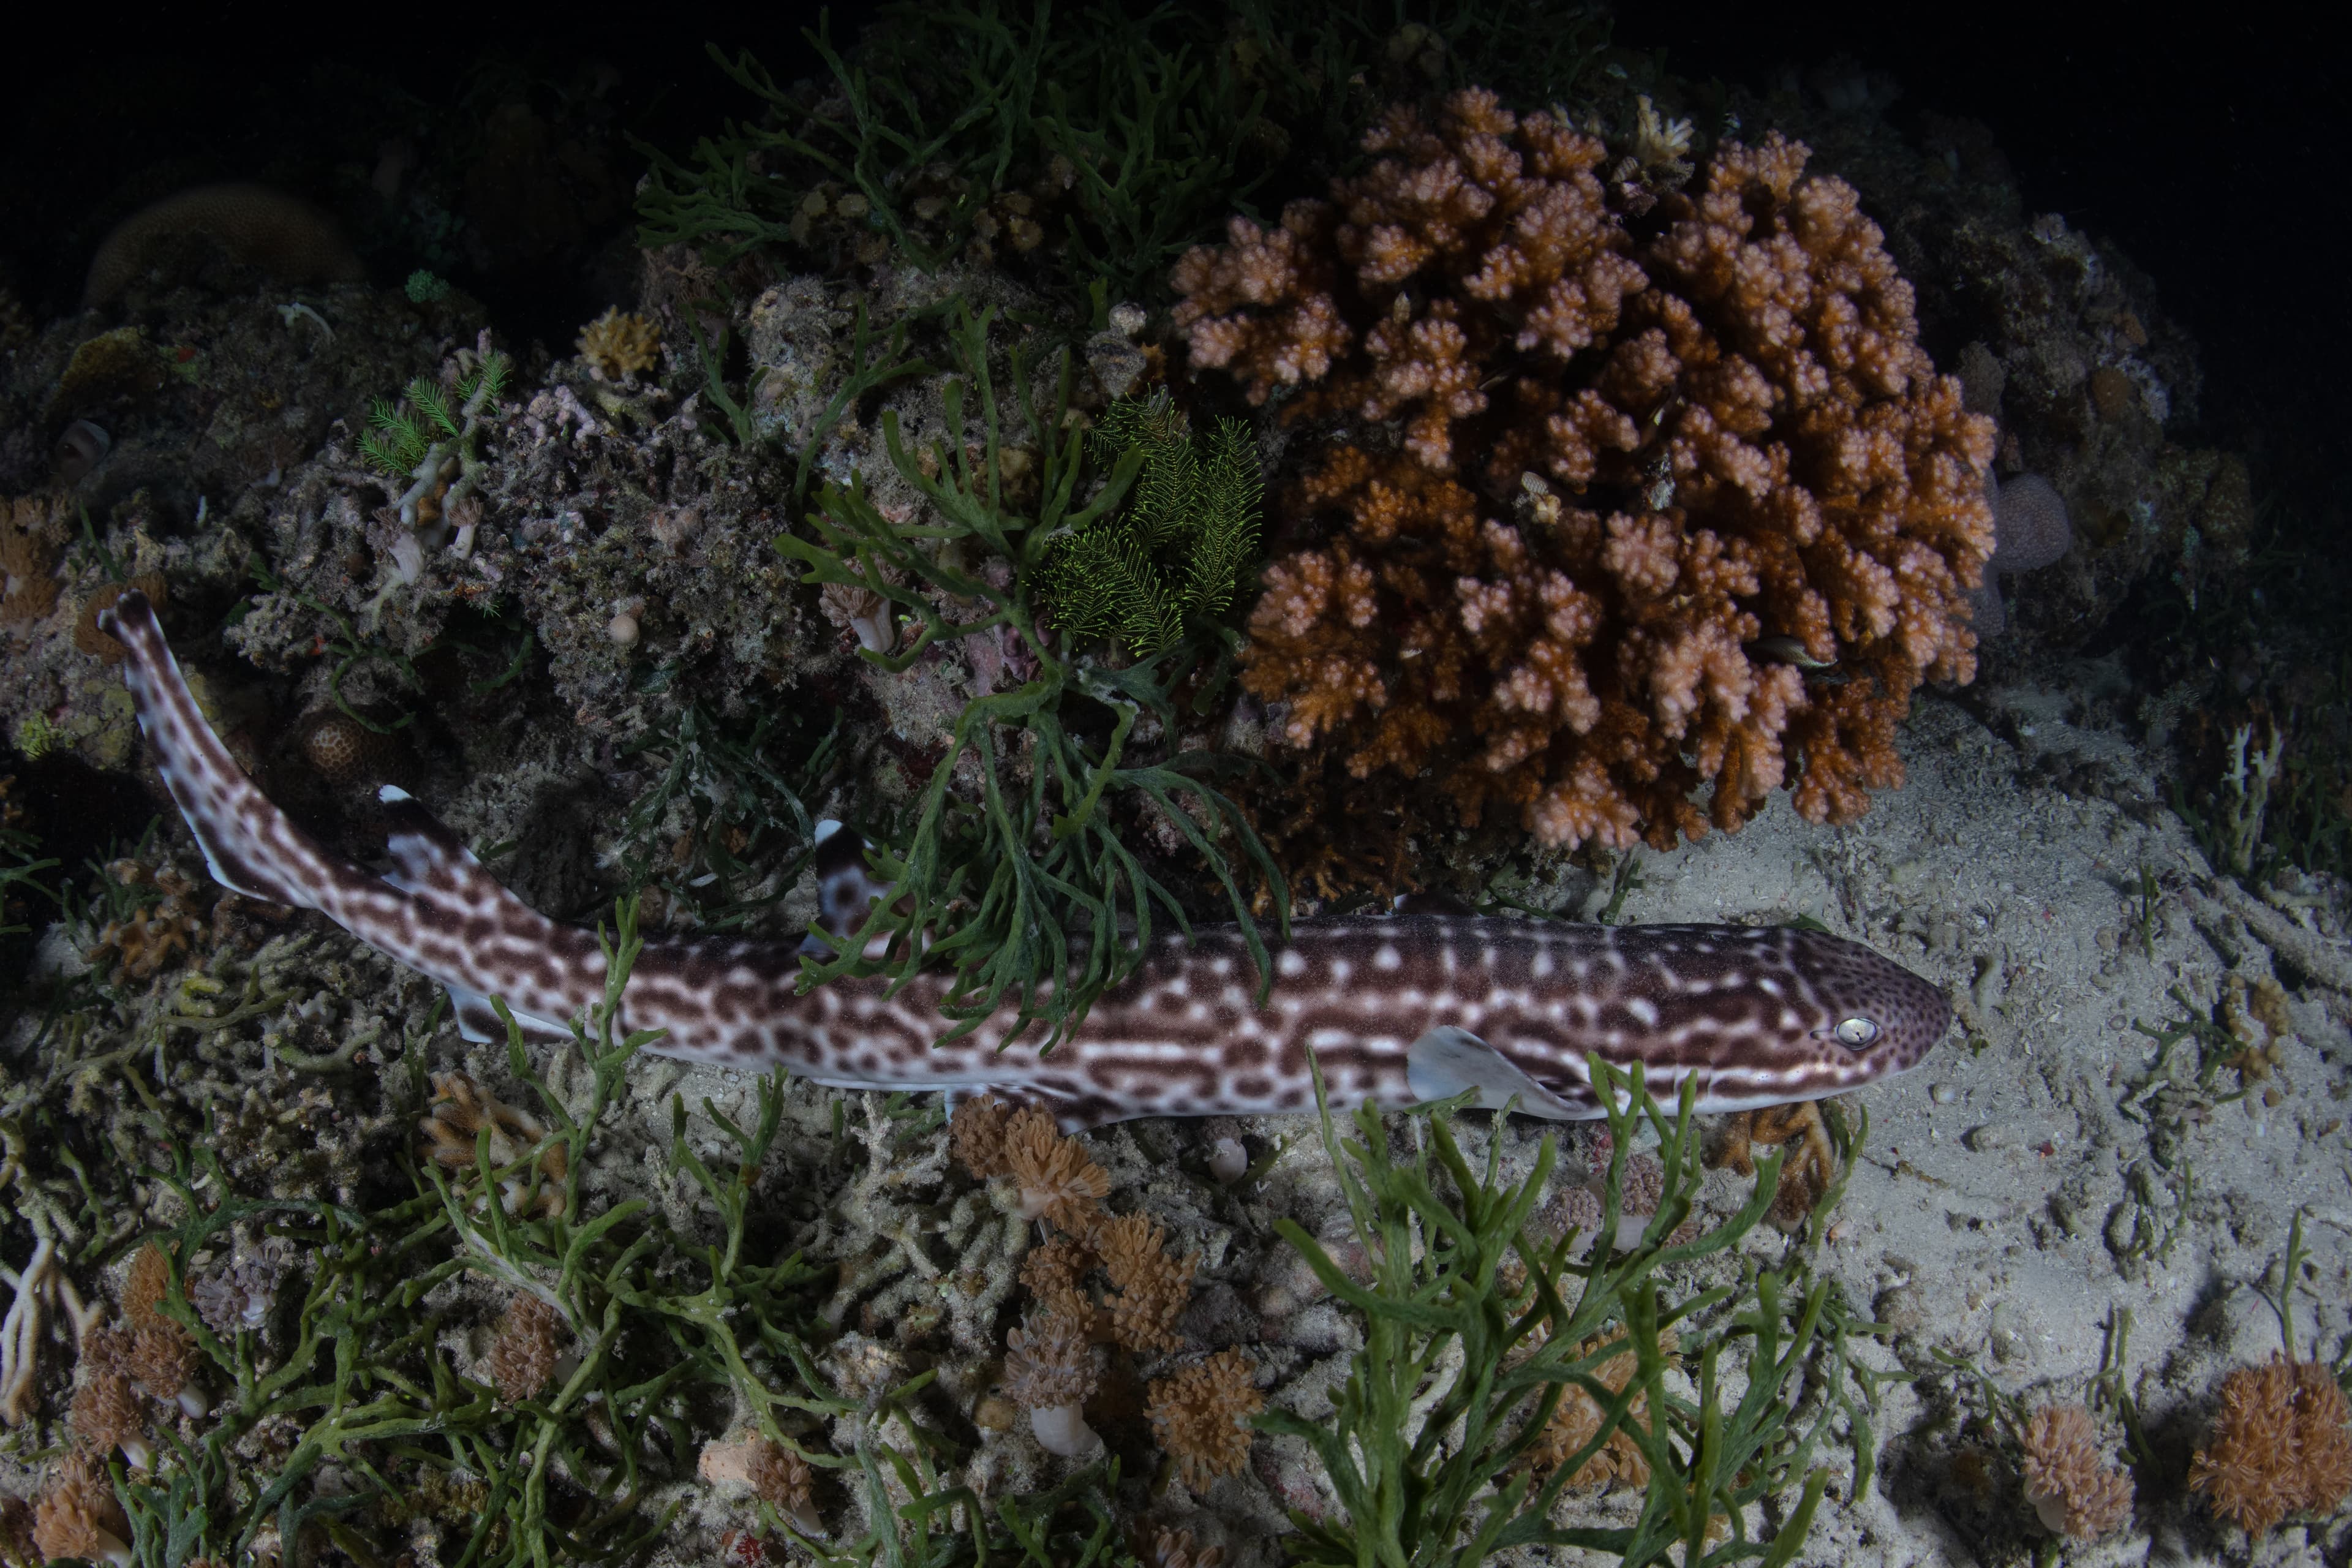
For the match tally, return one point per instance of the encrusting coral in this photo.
(2280, 1445)
(2031, 531)
(1632, 483)
(1201, 1415)
(619, 346)
(32, 537)
(2067, 1477)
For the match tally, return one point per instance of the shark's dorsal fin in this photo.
(1448, 1060)
(847, 887)
(1431, 903)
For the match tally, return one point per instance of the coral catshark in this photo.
(1394, 1009)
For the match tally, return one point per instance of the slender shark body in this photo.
(1394, 1010)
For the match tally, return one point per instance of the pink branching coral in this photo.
(1598, 493)
(460, 1109)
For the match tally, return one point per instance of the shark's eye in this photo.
(1856, 1032)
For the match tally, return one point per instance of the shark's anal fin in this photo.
(1448, 1060)
(478, 1021)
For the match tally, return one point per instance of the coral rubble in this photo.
(1624, 468)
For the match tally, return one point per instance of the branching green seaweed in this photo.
(1461, 1369)
(367, 1386)
(1140, 119)
(723, 829)
(429, 435)
(1031, 893)
(22, 866)
(1129, 133)
(1171, 558)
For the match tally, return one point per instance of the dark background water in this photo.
(2208, 152)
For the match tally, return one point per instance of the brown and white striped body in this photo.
(1394, 1010)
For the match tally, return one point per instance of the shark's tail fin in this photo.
(439, 911)
(247, 842)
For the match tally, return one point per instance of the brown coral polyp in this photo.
(1582, 474)
(1201, 1416)
(2067, 1477)
(2280, 1445)
(1058, 1181)
(524, 1353)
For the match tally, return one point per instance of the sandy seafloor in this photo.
(1978, 1220)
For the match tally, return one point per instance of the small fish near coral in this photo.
(1392, 1010)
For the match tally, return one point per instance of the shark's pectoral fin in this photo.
(1447, 1061)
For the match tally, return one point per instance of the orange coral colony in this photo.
(1593, 498)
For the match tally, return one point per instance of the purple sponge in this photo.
(2029, 531)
